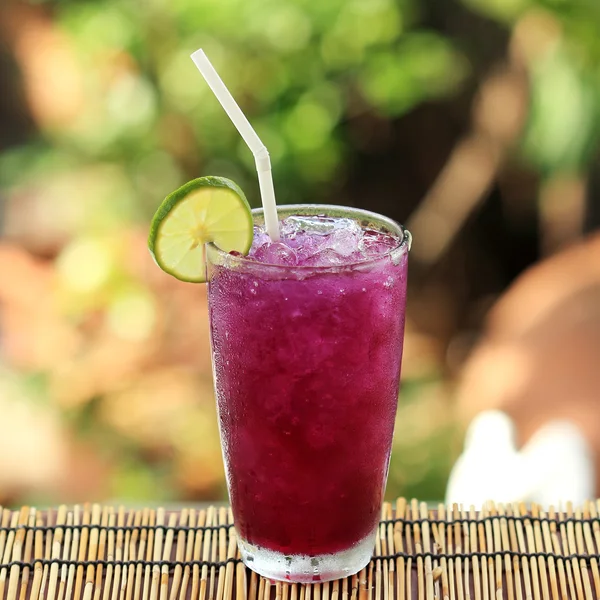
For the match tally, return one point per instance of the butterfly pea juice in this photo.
(307, 338)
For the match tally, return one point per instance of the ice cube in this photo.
(375, 243)
(355, 257)
(347, 225)
(305, 246)
(276, 253)
(316, 225)
(343, 241)
(325, 258)
(260, 239)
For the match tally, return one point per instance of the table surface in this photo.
(96, 552)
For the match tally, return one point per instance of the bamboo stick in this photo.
(573, 574)
(514, 546)
(189, 555)
(530, 548)
(124, 583)
(92, 555)
(481, 540)
(157, 554)
(547, 547)
(523, 549)
(378, 566)
(118, 552)
(51, 521)
(595, 525)
(389, 532)
(418, 550)
(466, 545)
(582, 592)
(8, 550)
(180, 551)
(57, 542)
(261, 589)
(489, 540)
(149, 555)
(558, 551)
(585, 575)
(5, 544)
(231, 571)
(213, 559)
(444, 550)
(17, 553)
(458, 549)
(353, 587)
(538, 546)
(62, 585)
(474, 547)
(206, 547)
(28, 555)
(166, 556)
(451, 551)
(222, 520)
(110, 553)
(427, 548)
(132, 553)
(497, 538)
(137, 574)
(589, 543)
(409, 551)
(399, 546)
(437, 569)
(101, 554)
(74, 553)
(83, 544)
(383, 546)
(38, 569)
(241, 582)
(505, 546)
(345, 586)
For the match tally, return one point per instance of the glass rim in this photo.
(397, 229)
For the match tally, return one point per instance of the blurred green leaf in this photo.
(423, 66)
(562, 131)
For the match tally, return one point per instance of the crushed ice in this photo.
(320, 241)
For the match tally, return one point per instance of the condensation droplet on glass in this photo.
(285, 298)
(389, 282)
(252, 291)
(319, 292)
(256, 284)
(364, 289)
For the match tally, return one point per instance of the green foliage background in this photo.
(143, 122)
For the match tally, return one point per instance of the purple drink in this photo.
(307, 343)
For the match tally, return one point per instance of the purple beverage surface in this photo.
(307, 372)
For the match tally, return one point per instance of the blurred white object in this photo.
(554, 466)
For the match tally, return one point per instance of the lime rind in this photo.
(208, 209)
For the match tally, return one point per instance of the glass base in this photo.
(301, 568)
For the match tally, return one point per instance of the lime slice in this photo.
(209, 209)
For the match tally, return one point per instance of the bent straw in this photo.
(259, 150)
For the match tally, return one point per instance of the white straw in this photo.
(259, 150)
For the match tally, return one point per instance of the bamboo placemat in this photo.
(95, 552)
